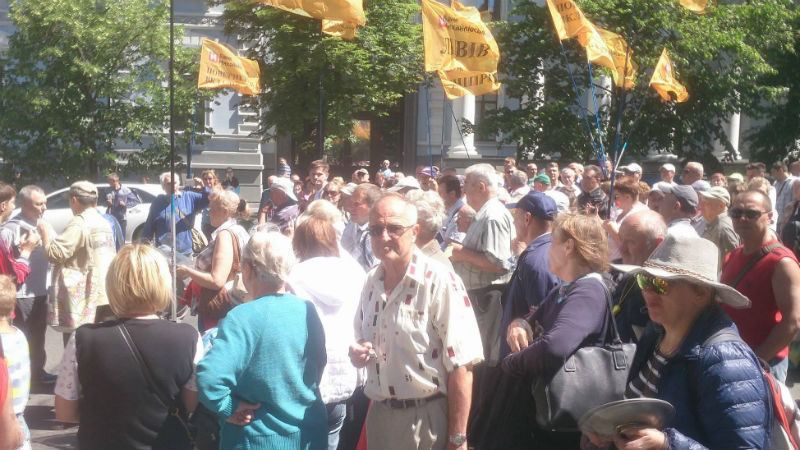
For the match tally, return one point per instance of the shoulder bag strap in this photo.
(236, 266)
(615, 338)
(762, 252)
(142, 366)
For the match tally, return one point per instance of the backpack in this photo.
(785, 429)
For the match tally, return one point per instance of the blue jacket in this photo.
(720, 396)
(158, 226)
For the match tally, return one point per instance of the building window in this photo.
(484, 104)
(490, 10)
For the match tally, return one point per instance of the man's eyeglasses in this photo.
(655, 284)
(749, 214)
(394, 231)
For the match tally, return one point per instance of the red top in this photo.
(756, 322)
(10, 266)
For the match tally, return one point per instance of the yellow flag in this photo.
(456, 39)
(596, 49)
(619, 51)
(344, 10)
(222, 68)
(567, 18)
(339, 28)
(458, 83)
(695, 6)
(664, 81)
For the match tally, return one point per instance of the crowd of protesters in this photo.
(389, 311)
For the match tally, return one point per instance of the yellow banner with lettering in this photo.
(695, 6)
(625, 69)
(457, 39)
(664, 82)
(568, 19)
(458, 83)
(221, 68)
(340, 18)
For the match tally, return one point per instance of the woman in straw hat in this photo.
(692, 356)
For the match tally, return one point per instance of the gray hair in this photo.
(696, 166)
(166, 176)
(26, 192)
(409, 210)
(518, 178)
(485, 174)
(271, 256)
(430, 209)
(568, 172)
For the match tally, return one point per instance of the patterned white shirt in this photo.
(420, 331)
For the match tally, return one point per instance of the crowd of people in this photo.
(391, 311)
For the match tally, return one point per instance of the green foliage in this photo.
(363, 78)
(718, 56)
(781, 131)
(80, 77)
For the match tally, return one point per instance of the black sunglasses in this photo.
(749, 214)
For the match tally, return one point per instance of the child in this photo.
(16, 351)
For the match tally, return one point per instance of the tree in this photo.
(780, 134)
(81, 76)
(719, 57)
(364, 78)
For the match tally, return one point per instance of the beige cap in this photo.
(83, 188)
(717, 193)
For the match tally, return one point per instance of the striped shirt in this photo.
(490, 233)
(645, 384)
(19, 367)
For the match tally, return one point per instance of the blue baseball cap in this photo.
(538, 204)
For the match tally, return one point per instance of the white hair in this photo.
(271, 256)
(166, 176)
(430, 209)
(321, 209)
(26, 192)
(486, 174)
(518, 178)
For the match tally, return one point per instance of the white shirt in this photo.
(421, 330)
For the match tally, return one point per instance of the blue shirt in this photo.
(158, 226)
(530, 284)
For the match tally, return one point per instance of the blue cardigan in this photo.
(720, 397)
(269, 351)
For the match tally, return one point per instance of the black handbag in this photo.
(175, 433)
(591, 377)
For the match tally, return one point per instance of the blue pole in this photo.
(581, 108)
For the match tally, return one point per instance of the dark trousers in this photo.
(123, 225)
(357, 407)
(488, 307)
(31, 318)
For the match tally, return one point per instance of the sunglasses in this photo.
(394, 231)
(647, 282)
(749, 214)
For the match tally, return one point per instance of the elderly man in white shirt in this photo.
(417, 337)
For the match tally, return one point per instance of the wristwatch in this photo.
(457, 440)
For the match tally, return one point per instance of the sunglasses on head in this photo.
(394, 231)
(649, 282)
(749, 214)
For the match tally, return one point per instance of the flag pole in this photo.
(173, 304)
(581, 108)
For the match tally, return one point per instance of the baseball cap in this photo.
(685, 194)
(405, 183)
(717, 193)
(432, 172)
(542, 178)
(668, 167)
(701, 185)
(632, 167)
(538, 204)
(284, 185)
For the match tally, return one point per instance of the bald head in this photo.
(640, 234)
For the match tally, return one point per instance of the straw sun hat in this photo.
(692, 259)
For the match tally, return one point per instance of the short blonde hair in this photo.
(230, 202)
(138, 281)
(591, 242)
(271, 256)
(8, 295)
